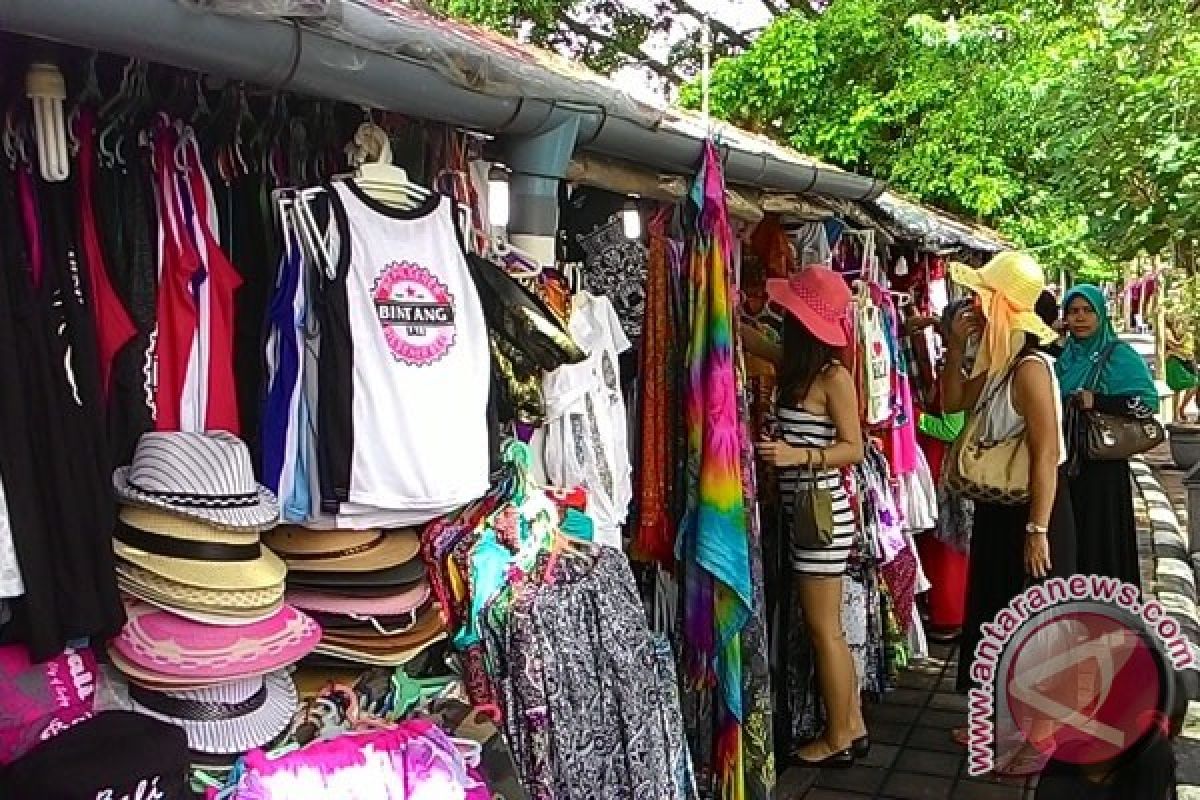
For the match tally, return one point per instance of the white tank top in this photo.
(1003, 420)
(419, 361)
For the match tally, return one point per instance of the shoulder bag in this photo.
(985, 470)
(812, 509)
(1116, 437)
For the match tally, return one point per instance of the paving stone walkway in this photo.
(913, 756)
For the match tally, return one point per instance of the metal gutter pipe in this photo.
(278, 54)
(538, 163)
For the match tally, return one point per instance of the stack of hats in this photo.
(368, 589)
(209, 637)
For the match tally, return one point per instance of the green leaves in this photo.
(1070, 125)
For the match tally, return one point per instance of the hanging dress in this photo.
(61, 511)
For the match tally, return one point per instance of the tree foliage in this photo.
(607, 35)
(1071, 125)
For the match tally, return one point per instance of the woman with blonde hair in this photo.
(1012, 383)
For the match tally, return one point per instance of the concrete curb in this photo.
(1173, 581)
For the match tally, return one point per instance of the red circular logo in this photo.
(1085, 685)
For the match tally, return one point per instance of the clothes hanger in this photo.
(90, 94)
(409, 691)
(377, 175)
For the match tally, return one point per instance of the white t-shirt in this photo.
(585, 441)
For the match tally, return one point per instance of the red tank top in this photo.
(114, 327)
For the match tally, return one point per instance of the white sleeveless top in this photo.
(1002, 418)
(417, 361)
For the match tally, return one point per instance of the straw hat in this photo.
(198, 613)
(396, 658)
(195, 553)
(227, 719)
(403, 601)
(820, 299)
(391, 577)
(306, 550)
(427, 625)
(204, 476)
(232, 601)
(164, 645)
(1019, 279)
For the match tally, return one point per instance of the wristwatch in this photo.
(1032, 529)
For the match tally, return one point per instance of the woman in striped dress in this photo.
(818, 420)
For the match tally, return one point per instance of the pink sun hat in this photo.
(160, 644)
(819, 298)
(392, 605)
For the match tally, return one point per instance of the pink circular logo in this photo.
(416, 312)
(1085, 686)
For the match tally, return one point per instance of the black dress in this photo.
(996, 573)
(60, 502)
(1102, 496)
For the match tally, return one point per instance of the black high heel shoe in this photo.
(842, 759)
(861, 747)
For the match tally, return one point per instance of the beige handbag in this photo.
(990, 471)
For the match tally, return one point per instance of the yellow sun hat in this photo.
(1008, 287)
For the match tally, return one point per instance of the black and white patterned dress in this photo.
(803, 428)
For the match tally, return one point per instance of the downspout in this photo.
(538, 163)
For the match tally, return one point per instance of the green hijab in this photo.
(1125, 373)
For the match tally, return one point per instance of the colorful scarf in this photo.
(1125, 373)
(713, 536)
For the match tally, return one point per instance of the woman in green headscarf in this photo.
(1099, 371)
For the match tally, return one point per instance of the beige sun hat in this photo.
(195, 553)
(306, 550)
(197, 596)
(211, 606)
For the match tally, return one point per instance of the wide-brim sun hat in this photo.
(305, 550)
(820, 299)
(227, 719)
(205, 617)
(194, 552)
(391, 658)
(1019, 279)
(167, 645)
(200, 598)
(204, 476)
(424, 627)
(403, 601)
(402, 575)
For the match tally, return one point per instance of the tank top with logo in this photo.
(404, 361)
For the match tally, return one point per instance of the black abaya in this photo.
(1106, 534)
(996, 573)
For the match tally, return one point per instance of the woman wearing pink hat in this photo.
(818, 420)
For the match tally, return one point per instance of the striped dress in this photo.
(806, 429)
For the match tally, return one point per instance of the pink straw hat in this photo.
(158, 643)
(405, 601)
(820, 299)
